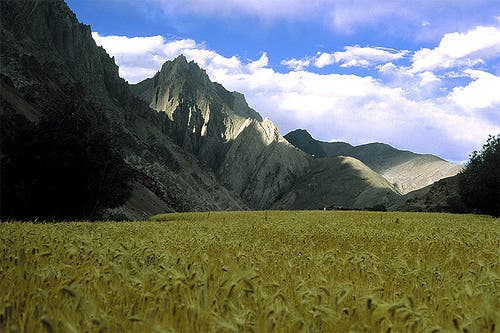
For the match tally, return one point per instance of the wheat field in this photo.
(253, 272)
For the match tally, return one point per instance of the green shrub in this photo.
(479, 182)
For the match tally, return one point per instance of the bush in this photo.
(479, 182)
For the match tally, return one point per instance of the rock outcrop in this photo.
(442, 196)
(261, 165)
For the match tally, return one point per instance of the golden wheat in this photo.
(253, 272)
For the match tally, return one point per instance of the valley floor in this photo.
(253, 272)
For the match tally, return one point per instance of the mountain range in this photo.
(406, 170)
(192, 144)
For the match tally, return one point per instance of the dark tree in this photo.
(479, 182)
(63, 168)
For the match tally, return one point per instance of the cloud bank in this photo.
(418, 105)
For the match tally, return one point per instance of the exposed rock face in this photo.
(407, 171)
(203, 117)
(419, 172)
(249, 155)
(261, 165)
(48, 59)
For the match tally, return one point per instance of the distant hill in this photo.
(338, 182)
(304, 141)
(406, 170)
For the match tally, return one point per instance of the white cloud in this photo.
(482, 92)
(359, 109)
(118, 45)
(352, 56)
(324, 59)
(459, 49)
(416, 87)
(261, 63)
(172, 48)
(428, 78)
(296, 64)
(367, 56)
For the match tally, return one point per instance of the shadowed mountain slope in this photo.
(406, 170)
(442, 196)
(338, 182)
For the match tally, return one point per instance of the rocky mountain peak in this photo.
(180, 59)
(203, 117)
(183, 72)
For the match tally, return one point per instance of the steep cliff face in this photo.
(249, 155)
(42, 40)
(406, 170)
(49, 58)
(203, 117)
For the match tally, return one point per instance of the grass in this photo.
(254, 272)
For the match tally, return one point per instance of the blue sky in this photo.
(420, 75)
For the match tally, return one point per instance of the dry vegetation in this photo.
(254, 272)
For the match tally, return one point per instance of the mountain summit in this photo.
(203, 117)
(247, 153)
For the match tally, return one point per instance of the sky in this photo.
(420, 75)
